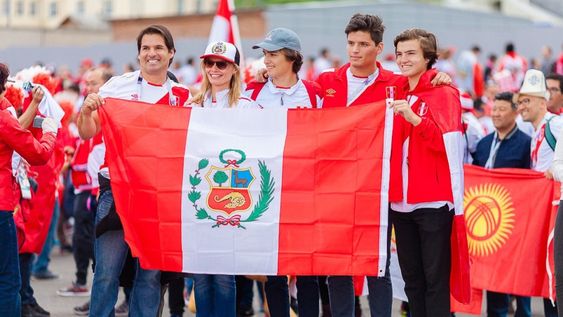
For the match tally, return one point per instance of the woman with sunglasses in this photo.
(215, 294)
(221, 85)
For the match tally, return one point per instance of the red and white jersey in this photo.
(540, 151)
(516, 65)
(295, 96)
(222, 101)
(132, 86)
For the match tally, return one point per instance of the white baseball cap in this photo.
(222, 50)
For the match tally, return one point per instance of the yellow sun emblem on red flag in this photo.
(489, 215)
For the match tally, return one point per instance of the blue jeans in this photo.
(215, 295)
(10, 282)
(497, 305)
(42, 262)
(110, 253)
(26, 291)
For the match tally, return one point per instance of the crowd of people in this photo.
(506, 114)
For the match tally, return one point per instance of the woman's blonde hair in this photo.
(234, 86)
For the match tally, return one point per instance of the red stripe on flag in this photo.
(332, 161)
(153, 140)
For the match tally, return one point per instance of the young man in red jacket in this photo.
(14, 138)
(426, 176)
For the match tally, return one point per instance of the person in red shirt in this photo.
(422, 193)
(14, 138)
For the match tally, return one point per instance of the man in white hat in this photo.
(532, 105)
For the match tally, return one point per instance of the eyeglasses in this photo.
(523, 102)
(220, 64)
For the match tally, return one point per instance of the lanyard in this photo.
(539, 141)
(496, 145)
(172, 100)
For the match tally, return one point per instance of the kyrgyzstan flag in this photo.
(509, 218)
(251, 191)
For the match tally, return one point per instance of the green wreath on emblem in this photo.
(267, 186)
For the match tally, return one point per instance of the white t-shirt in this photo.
(541, 153)
(131, 86)
(292, 97)
(357, 85)
(222, 101)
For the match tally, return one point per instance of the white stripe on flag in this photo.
(230, 249)
(384, 203)
(220, 29)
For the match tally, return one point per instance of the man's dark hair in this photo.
(4, 73)
(366, 23)
(160, 30)
(293, 56)
(476, 49)
(557, 77)
(506, 96)
(509, 47)
(427, 40)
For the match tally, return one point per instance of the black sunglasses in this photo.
(220, 64)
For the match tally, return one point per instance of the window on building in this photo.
(198, 4)
(107, 8)
(19, 8)
(53, 9)
(180, 6)
(80, 8)
(32, 8)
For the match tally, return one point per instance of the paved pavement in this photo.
(45, 292)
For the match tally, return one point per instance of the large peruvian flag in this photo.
(252, 191)
(510, 217)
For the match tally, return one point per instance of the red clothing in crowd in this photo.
(14, 138)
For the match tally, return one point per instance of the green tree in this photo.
(220, 177)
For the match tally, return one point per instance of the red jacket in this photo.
(14, 138)
(334, 87)
(429, 177)
(79, 164)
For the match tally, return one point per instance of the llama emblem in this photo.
(229, 184)
(229, 191)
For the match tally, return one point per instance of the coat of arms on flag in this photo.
(229, 197)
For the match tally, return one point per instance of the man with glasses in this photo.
(554, 84)
(532, 104)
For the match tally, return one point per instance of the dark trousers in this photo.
(26, 291)
(277, 294)
(423, 247)
(83, 236)
(176, 296)
(497, 305)
(245, 293)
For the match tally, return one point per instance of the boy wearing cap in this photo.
(283, 60)
(284, 88)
